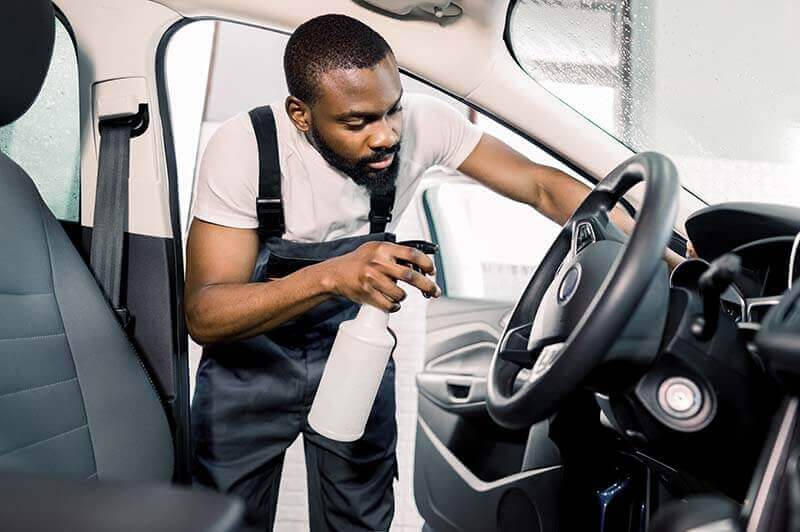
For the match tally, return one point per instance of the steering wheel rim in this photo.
(571, 359)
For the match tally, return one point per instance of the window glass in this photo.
(45, 141)
(489, 245)
(708, 83)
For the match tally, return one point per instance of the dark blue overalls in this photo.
(252, 396)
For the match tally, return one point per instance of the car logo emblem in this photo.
(569, 284)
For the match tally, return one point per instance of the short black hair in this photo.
(325, 43)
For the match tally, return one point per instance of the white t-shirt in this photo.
(321, 203)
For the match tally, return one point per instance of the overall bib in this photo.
(252, 396)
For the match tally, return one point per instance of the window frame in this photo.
(67, 26)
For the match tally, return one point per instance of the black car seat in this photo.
(75, 399)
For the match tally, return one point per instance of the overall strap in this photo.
(269, 205)
(380, 210)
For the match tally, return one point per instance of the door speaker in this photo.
(516, 513)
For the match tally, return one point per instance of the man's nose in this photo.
(383, 137)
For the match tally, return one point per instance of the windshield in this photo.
(712, 84)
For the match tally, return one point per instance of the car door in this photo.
(470, 473)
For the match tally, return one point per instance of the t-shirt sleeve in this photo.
(449, 138)
(228, 177)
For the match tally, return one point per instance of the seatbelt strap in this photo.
(111, 211)
(269, 204)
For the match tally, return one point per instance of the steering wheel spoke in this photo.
(547, 357)
(513, 347)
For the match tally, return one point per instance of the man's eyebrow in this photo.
(359, 114)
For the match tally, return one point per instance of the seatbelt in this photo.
(269, 203)
(111, 206)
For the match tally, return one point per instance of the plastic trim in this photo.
(180, 407)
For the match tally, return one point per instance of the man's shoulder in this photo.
(424, 112)
(418, 103)
(234, 130)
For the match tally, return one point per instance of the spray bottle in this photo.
(354, 371)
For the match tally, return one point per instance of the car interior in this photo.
(612, 394)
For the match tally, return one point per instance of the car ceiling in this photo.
(422, 45)
(467, 56)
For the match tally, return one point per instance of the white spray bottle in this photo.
(352, 376)
(354, 370)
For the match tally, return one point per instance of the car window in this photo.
(718, 98)
(489, 245)
(45, 141)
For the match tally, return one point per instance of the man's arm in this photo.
(222, 304)
(550, 191)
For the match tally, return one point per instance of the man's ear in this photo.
(299, 113)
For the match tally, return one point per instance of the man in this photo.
(269, 281)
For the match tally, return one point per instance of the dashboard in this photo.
(709, 386)
(765, 237)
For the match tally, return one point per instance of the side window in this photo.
(45, 141)
(489, 245)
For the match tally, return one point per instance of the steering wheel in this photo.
(582, 295)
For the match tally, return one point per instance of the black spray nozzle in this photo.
(429, 248)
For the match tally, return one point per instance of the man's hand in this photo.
(370, 274)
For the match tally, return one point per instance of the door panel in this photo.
(470, 473)
(451, 498)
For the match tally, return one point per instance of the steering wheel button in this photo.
(584, 235)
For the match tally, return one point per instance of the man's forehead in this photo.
(360, 90)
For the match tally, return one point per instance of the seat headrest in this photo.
(27, 32)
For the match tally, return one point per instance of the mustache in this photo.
(382, 154)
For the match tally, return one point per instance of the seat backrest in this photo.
(75, 399)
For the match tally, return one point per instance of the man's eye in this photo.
(396, 110)
(354, 125)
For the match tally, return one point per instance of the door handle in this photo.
(460, 388)
(453, 391)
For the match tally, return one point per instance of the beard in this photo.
(377, 182)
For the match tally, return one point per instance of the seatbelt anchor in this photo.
(138, 121)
